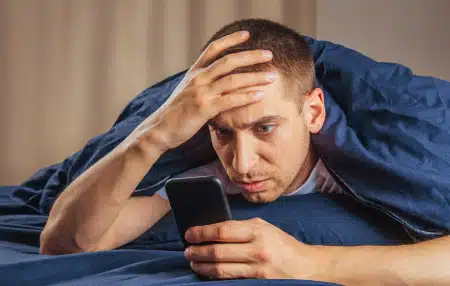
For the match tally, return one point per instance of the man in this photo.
(254, 86)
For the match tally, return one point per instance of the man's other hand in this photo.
(251, 249)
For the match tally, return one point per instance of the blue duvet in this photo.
(386, 140)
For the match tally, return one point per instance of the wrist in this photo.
(153, 144)
(330, 259)
(323, 263)
(155, 139)
(145, 142)
(352, 265)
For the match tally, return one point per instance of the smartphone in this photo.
(197, 201)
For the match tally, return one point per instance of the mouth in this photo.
(254, 186)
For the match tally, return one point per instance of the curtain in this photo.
(68, 67)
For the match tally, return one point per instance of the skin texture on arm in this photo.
(88, 207)
(137, 216)
(424, 263)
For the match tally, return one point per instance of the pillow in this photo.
(313, 219)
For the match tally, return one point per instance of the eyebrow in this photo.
(262, 120)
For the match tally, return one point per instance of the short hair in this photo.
(292, 55)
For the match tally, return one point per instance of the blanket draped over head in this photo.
(386, 139)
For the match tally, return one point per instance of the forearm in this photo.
(90, 205)
(137, 216)
(425, 263)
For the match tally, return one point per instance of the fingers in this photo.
(220, 45)
(229, 231)
(227, 270)
(223, 103)
(238, 81)
(226, 252)
(234, 100)
(222, 100)
(231, 62)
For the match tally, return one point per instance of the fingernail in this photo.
(191, 264)
(244, 34)
(267, 54)
(272, 76)
(259, 93)
(186, 252)
(187, 235)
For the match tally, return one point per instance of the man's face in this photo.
(268, 143)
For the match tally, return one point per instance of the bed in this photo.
(392, 125)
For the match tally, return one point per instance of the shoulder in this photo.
(329, 184)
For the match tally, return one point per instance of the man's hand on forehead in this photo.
(209, 89)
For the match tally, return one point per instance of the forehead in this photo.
(276, 102)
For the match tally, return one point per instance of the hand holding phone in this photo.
(197, 201)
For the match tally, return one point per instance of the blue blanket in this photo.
(386, 140)
(157, 256)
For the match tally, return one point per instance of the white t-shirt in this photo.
(318, 181)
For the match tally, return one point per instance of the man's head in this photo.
(270, 140)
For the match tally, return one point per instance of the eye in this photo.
(222, 132)
(266, 129)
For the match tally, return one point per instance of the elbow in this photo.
(53, 243)
(60, 237)
(47, 245)
(46, 248)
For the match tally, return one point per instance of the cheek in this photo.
(290, 147)
(221, 150)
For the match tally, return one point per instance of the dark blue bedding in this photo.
(386, 140)
(157, 256)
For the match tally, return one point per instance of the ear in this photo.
(314, 110)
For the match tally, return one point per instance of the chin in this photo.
(262, 197)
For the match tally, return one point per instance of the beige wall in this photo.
(415, 33)
(67, 67)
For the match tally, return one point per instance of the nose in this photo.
(244, 157)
